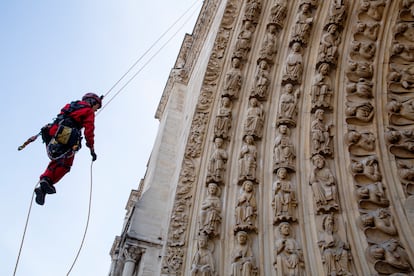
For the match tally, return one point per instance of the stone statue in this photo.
(328, 47)
(210, 214)
(289, 258)
(247, 159)
(253, 10)
(233, 80)
(246, 208)
(278, 13)
(284, 198)
(303, 24)
(222, 124)
(244, 40)
(320, 134)
(323, 186)
(288, 105)
(255, 119)
(372, 195)
(269, 46)
(294, 65)
(362, 88)
(243, 262)
(360, 143)
(283, 149)
(322, 88)
(335, 253)
(261, 81)
(203, 260)
(389, 257)
(218, 160)
(360, 112)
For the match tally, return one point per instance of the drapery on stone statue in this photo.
(247, 159)
(243, 261)
(246, 208)
(284, 200)
(218, 160)
(210, 214)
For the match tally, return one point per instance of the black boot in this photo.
(40, 196)
(46, 186)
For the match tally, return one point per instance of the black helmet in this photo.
(93, 99)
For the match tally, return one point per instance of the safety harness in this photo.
(68, 136)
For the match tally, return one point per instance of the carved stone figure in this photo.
(401, 111)
(337, 12)
(222, 124)
(253, 10)
(359, 69)
(323, 185)
(322, 88)
(294, 65)
(284, 200)
(389, 257)
(303, 24)
(261, 81)
(360, 143)
(218, 160)
(365, 50)
(403, 53)
(233, 80)
(210, 214)
(366, 170)
(335, 252)
(328, 47)
(289, 258)
(360, 112)
(404, 32)
(288, 106)
(244, 41)
(373, 9)
(269, 45)
(246, 208)
(278, 13)
(378, 225)
(367, 30)
(243, 261)
(283, 150)
(203, 260)
(320, 134)
(401, 142)
(372, 195)
(406, 170)
(362, 88)
(255, 119)
(247, 159)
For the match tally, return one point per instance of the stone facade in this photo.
(285, 145)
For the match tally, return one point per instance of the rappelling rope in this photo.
(24, 232)
(143, 66)
(87, 220)
(33, 138)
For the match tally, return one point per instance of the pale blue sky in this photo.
(52, 52)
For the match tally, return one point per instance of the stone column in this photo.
(132, 255)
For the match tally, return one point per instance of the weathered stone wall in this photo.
(285, 145)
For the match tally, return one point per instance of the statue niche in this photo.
(323, 186)
(284, 198)
(289, 258)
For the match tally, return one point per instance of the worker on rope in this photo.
(63, 139)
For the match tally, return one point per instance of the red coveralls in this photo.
(85, 118)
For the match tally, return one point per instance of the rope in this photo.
(24, 232)
(149, 60)
(149, 49)
(87, 220)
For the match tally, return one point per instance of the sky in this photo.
(53, 52)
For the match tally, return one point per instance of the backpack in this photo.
(68, 136)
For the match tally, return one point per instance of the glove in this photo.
(93, 154)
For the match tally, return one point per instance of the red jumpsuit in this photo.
(84, 118)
